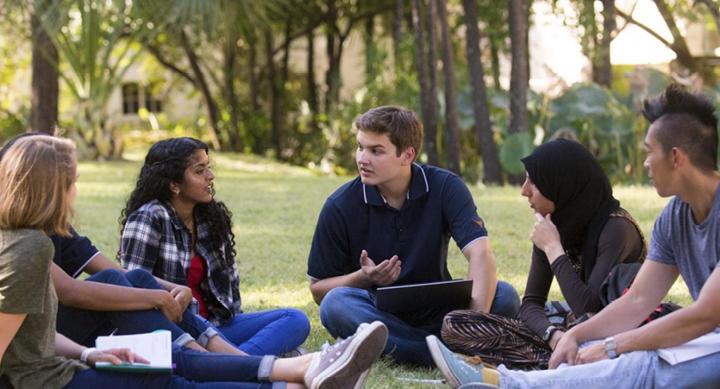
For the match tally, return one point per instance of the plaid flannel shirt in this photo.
(156, 240)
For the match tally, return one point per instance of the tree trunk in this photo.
(252, 65)
(427, 101)
(313, 102)
(451, 133)
(518, 72)
(45, 88)
(483, 125)
(275, 109)
(330, 74)
(204, 88)
(285, 76)
(495, 64)
(602, 71)
(230, 55)
(397, 33)
(371, 65)
(604, 76)
(432, 125)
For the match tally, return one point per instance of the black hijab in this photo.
(566, 173)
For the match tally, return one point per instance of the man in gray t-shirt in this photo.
(694, 248)
(681, 146)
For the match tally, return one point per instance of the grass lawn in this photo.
(275, 209)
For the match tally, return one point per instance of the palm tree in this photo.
(91, 40)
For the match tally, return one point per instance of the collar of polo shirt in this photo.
(418, 187)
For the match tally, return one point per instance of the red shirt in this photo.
(196, 275)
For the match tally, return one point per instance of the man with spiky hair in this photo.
(681, 146)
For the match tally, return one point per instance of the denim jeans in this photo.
(213, 370)
(272, 332)
(84, 326)
(344, 308)
(635, 370)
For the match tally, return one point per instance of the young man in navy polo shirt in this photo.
(391, 226)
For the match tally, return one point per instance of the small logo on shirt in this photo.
(479, 221)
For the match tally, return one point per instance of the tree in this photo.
(701, 65)
(602, 69)
(483, 125)
(427, 93)
(518, 10)
(452, 143)
(91, 39)
(45, 78)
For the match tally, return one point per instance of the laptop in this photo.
(454, 294)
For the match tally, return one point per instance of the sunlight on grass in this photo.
(275, 208)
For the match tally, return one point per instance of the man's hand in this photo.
(183, 296)
(590, 354)
(565, 351)
(168, 306)
(115, 356)
(383, 274)
(545, 235)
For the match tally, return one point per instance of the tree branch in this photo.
(155, 51)
(647, 29)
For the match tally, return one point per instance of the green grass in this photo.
(275, 209)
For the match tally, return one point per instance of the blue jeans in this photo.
(271, 332)
(84, 326)
(343, 309)
(213, 370)
(635, 370)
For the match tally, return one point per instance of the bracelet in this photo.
(85, 353)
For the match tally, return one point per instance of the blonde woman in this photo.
(38, 175)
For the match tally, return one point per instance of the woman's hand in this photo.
(545, 235)
(115, 356)
(557, 335)
(183, 296)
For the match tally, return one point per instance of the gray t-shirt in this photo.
(26, 288)
(693, 248)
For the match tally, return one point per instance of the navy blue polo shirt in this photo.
(356, 217)
(73, 253)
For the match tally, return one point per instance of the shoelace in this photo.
(328, 348)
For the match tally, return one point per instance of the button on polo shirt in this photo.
(356, 217)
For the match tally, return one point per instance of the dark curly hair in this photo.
(166, 163)
(685, 120)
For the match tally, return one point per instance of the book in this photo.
(156, 347)
(696, 348)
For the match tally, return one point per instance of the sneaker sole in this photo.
(361, 353)
(437, 356)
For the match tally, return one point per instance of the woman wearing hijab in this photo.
(579, 235)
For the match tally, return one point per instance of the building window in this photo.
(152, 101)
(130, 98)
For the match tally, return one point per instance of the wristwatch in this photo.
(610, 347)
(549, 333)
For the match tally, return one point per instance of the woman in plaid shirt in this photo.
(174, 228)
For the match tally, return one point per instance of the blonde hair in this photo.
(36, 174)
